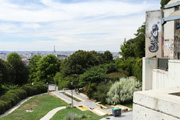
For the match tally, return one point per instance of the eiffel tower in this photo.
(54, 49)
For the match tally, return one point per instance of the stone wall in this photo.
(148, 65)
(157, 105)
(167, 79)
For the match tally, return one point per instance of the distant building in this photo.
(61, 57)
(26, 62)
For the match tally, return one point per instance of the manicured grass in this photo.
(129, 105)
(62, 113)
(41, 105)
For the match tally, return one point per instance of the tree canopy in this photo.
(21, 71)
(7, 73)
(47, 67)
(81, 60)
(132, 51)
(163, 3)
(93, 75)
(134, 47)
(33, 65)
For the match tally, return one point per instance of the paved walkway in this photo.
(124, 116)
(90, 104)
(84, 100)
(51, 113)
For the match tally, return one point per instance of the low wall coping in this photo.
(160, 71)
(160, 100)
(174, 61)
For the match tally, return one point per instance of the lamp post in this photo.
(72, 94)
(47, 86)
(47, 83)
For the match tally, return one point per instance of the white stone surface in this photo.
(143, 113)
(157, 103)
(166, 79)
(148, 65)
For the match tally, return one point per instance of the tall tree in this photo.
(127, 49)
(163, 3)
(21, 71)
(81, 60)
(78, 62)
(108, 57)
(139, 42)
(48, 66)
(134, 47)
(33, 65)
(93, 75)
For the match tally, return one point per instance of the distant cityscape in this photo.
(27, 55)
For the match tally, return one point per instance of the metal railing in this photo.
(163, 63)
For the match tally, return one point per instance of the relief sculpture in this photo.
(154, 39)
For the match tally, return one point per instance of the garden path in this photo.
(89, 104)
(51, 113)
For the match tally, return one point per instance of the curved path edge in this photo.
(51, 113)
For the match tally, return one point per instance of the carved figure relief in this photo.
(154, 39)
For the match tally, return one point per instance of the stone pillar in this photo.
(148, 65)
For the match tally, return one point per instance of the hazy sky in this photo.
(38, 25)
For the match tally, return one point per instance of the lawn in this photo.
(129, 105)
(41, 105)
(62, 113)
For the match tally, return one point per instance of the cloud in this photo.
(89, 25)
(56, 11)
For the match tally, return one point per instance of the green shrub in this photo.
(28, 88)
(90, 89)
(4, 105)
(36, 88)
(44, 88)
(122, 91)
(19, 92)
(101, 92)
(111, 68)
(63, 84)
(71, 116)
(137, 69)
(57, 78)
(126, 65)
(7, 87)
(11, 98)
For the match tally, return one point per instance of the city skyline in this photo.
(70, 25)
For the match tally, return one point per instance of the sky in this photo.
(70, 25)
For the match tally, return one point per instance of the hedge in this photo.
(12, 97)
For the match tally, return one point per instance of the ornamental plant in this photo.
(122, 91)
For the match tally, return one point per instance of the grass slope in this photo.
(62, 113)
(41, 105)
